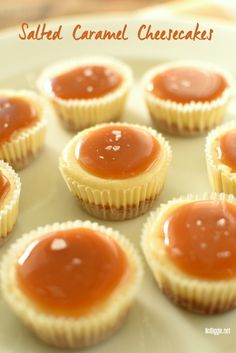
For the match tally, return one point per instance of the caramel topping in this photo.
(187, 84)
(86, 82)
(70, 272)
(15, 114)
(117, 152)
(4, 186)
(227, 149)
(200, 238)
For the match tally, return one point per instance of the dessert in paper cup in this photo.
(190, 246)
(221, 158)
(187, 97)
(116, 170)
(73, 283)
(24, 120)
(10, 188)
(86, 91)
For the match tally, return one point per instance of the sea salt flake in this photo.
(199, 222)
(203, 245)
(177, 251)
(223, 254)
(174, 86)
(6, 105)
(88, 72)
(108, 148)
(76, 261)
(89, 89)
(58, 244)
(101, 157)
(221, 222)
(116, 148)
(118, 134)
(185, 83)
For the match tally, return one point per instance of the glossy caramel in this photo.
(200, 239)
(70, 272)
(227, 149)
(15, 114)
(117, 152)
(86, 82)
(187, 84)
(4, 186)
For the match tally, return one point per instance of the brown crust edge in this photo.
(70, 126)
(22, 163)
(173, 130)
(112, 213)
(197, 307)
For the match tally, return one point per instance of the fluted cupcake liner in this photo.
(117, 199)
(222, 178)
(26, 143)
(78, 114)
(192, 293)
(71, 332)
(118, 204)
(187, 118)
(10, 205)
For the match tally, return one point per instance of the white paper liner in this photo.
(24, 145)
(118, 199)
(188, 118)
(78, 114)
(10, 205)
(71, 332)
(192, 293)
(222, 178)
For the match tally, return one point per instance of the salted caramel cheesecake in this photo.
(10, 187)
(87, 91)
(187, 97)
(23, 117)
(190, 246)
(221, 158)
(73, 283)
(116, 170)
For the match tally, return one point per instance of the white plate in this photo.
(154, 324)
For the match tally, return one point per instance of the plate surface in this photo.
(154, 324)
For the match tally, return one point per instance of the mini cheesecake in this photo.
(116, 170)
(187, 98)
(73, 283)
(190, 246)
(220, 153)
(23, 117)
(87, 91)
(10, 187)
